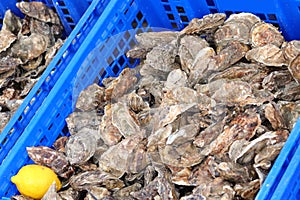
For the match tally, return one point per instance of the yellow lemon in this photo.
(34, 180)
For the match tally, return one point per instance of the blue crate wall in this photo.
(96, 51)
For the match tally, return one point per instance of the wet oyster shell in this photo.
(129, 156)
(291, 49)
(6, 39)
(11, 22)
(81, 146)
(38, 10)
(269, 55)
(48, 157)
(107, 131)
(294, 68)
(84, 180)
(263, 33)
(243, 126)
(206, 23)
(29, 47)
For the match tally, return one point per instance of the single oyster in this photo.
(269, 55)
(11, 22)
(233, 30)
(294, 68)
(206, 24)
(81, 146)
(120, 86)
(263, 33)
(247, 190)
(291, 49)
(179, 150)
(190, 46)
(108, 132)
(87, 179)
(51, 193)
(6, 39)
(176, 78)
(129, 156)
(162, 57)
(97, 192)
(29, 47)
(46, 156)
(230, 54)
(124, 120)
(243, 126)
(90, 98)
(39, 10)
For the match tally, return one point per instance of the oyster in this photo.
(29, 47)
(125, 121)
(133, 159)
(185, 154)
(90, 98)
(51, 193)
(294, 68)
(108, 132)
(6, 39)
(291, 49)
(230, 54)
(269, 55)
(96, 192)
(81, 146)
(50, 158)
(38, 10)
(236, 27)
(264, 33)
(11, 23)
(207, 23)
(189, 48)
(247, 190)
(242, 126)
(119, 86)
(87, 179)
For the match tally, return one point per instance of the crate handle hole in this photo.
(65, 11)
(4, 141)
(26, 109)
(51, 125)
(11, 131)
(180, 9)
(210, 2)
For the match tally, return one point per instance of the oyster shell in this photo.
(243, 126)
(133, 159)
(29, 47)
(263, 33)
(81, 146)
(38, 10)
(11, 23)
(87, 179)
(291, 49)
(294, 68)
(46, 156)
(6, 39)
(269, 55)
(206, 24)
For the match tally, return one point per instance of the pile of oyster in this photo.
(26, 48)
(203, 116)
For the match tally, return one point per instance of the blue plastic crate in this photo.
(95, 50)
